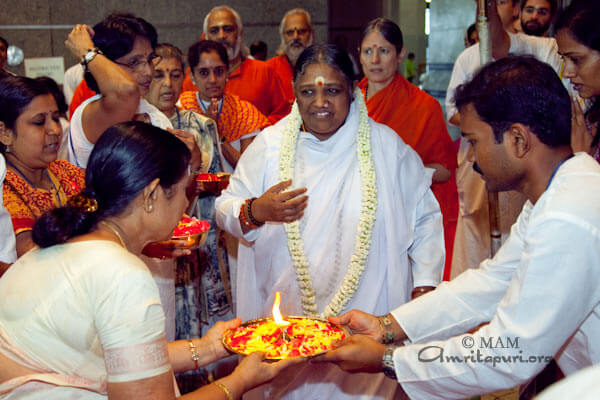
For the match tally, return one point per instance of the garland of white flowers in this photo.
(365, 224)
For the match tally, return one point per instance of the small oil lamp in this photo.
(278, 319)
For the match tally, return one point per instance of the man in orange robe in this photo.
(296, 35)
(250, 80)
(418, 119)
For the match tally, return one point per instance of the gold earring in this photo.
(149, 208)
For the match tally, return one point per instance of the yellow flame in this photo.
(279, 321)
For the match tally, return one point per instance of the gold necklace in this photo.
(111, 228)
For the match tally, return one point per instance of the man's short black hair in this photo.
(520, 89)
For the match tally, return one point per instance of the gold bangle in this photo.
(224, 389)
(195, 356)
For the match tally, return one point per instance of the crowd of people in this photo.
(347, 195)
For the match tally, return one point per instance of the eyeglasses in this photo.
(138, 63)
(300, 31)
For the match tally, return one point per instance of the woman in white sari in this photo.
(80, 317)
(363, 228)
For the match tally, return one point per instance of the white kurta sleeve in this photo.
(246, 182)
(427, 250)
(459, 305)
(549, 294)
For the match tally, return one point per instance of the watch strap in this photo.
(387, 362)
(89, 56)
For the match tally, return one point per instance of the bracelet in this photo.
(224, 389)
(388, 335)
(195, 356)
(245, 219)
(250, 216)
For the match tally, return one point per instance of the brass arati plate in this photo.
(306, 348)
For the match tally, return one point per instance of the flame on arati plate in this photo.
(276, 313)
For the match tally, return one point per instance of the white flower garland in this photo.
(365, 224)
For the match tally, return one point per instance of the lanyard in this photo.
(204, 109)
(33, 186)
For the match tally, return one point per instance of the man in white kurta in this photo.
(541, 287)
(406, 251)
(538, 296)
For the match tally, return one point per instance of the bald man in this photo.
(249, 79)
(297, 34)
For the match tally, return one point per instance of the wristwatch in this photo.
(388, 362)
(89, 56)
(386, 324)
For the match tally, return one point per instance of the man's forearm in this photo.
(500, 41)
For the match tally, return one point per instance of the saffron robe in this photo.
(285, 71)
(418, 119)
(255, 82)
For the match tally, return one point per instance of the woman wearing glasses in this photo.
(238, 121)
(116, 55)
(119, 67)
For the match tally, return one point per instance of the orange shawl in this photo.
(236, 119)
(25, 204)
(418, 119)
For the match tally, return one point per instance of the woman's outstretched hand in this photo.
(255, 370)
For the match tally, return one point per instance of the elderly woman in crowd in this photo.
(203, 292)
(238, 121)
(415, 116)
(90, 324)
(333, 208)
(30, 134)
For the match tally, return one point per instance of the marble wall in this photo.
(40, 27)
(449, 21)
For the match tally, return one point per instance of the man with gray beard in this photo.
(249, 79)
(296, 34)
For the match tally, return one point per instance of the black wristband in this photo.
(250, 216)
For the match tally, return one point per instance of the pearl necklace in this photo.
(366, 222)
